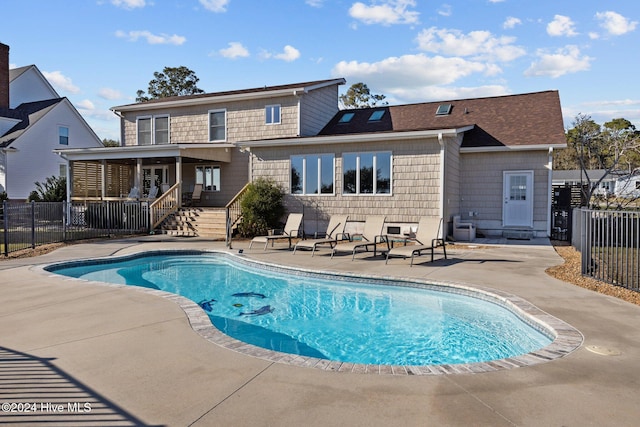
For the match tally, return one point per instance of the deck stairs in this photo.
(196, 222)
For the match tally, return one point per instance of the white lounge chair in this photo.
(334, 233)
(371, 236)
(428, 238)
(291, 230)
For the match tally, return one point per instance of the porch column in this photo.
(103, 179)
(137, 180)
(179, 178)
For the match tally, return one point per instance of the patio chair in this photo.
(134, 193)
(371, 236)
(195, 196)
(153, 192)
(427, 238)
(465, 231)
(291, 230)
(334, 233)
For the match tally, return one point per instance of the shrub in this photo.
(54, 189)
(261, 207)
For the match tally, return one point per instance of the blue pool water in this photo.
(341, 319)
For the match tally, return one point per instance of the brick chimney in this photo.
(4, 76)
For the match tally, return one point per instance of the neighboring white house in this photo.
(605, 180)
(34, 120)
(628, 186)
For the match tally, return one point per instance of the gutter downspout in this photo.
(441, 190)
(549, 191)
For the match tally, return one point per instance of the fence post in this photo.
(33, 225)
(5, 217)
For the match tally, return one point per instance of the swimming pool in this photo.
(348, 319)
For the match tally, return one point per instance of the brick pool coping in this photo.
(566, 338)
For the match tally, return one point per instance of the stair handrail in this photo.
(234, 213)
(165, 205)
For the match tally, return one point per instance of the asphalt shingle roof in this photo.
(525, 119)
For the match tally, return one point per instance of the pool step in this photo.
(196, 222)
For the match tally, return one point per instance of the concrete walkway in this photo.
(96, 355)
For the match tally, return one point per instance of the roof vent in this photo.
(443, 110)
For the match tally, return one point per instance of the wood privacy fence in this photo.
(609, 242)
(27, 225)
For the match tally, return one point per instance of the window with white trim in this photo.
(217, 125)
(209, 177)
(153, 130)
(272, 114)
(312, 174)
(366, 173)
(63, 135)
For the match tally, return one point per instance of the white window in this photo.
(153, 130)
(218, 125)
(63, 170)
(272, 114)
(312, 174)
(209, 177)
(63, 135)
(366, 173)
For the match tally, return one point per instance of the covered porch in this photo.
(164, 176)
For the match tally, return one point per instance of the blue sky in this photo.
(98, 53)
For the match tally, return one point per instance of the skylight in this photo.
(443, 110)
(376, 115)
(346, 117)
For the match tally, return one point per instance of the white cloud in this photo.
(128, 4)
(476, 44)
(445, 10)
(60, 82)
(496, 1)
(108, 93)
(439, 93)
(86, 104)
(420, 70)
(561, 26)
(388, 12)
(235, 50)
(152, 38)
(615, 24)
(216, 6)
(564, 61)
(315, 3)
(289, 54)
(511, 22)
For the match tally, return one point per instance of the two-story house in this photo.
(34, 120)
(173, 144)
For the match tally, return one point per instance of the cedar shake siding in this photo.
(443, 164)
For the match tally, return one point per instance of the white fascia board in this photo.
(536, 147)
(353, 138)
(131, 151)
(293, 91)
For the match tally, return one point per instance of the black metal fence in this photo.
(610, 246)
(27, 225)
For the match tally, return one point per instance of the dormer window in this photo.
(376, 116)
(346, 117)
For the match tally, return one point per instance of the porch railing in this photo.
(164, 206)
(234, 213)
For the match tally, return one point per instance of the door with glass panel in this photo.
(154, 177)
(518, 199)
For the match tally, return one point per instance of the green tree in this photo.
(53, 189)
(172, 81)
(359, 96)
(261, 207)
(110, 143)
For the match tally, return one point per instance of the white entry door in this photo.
(517, 210)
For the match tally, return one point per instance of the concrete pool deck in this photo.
(135, 359)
